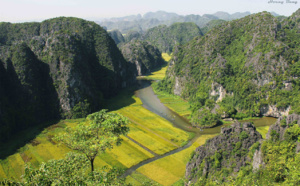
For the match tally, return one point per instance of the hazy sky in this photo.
(37, 10)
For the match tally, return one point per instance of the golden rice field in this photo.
(146, 128)
(263, 130)
(151, 133)
(167, 57)
(160, 73)
(171, 169)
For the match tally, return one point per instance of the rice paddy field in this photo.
(171, 169)
(160, 73)
(149, 135)
(263, 131)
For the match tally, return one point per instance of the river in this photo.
(152, 103)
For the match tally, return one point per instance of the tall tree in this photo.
(102, 131)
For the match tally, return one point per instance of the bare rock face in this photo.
(257, 160)
(276, 132)
(282, 124)
(273, 111)
(229, 149)
(298, 147)
(179, 85)
(218, 90)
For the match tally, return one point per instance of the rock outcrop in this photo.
(143, 55)
(282, 124)
(258, 161)
(227, 150)
(219, 91)
(165, 38)
(62, 67)
(298, 147)
(242, 146)
(273, 111)
(246, 65)
(117, 36)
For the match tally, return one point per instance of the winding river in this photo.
(152, 103)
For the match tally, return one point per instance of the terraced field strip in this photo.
(2, 173)
(128, 154)
(138, 179)
(156, 124)
(142, 127)
(43, 149)
(153, 153)
(170, 169)
(146, 129)
(151, 130)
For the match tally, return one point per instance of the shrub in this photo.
(243, 135)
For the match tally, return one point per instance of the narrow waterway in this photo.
(152, 103)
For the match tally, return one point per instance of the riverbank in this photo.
(153, 150)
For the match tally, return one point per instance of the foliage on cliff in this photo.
(145, 56)
(247, 66)
(210, 25)
(270, 162)
(165, 38)
(117, 36)
(225, 153)
(50, 69)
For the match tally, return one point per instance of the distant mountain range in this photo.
(151, 19)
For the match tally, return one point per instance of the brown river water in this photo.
(152, 103)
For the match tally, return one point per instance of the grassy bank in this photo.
(173, 102)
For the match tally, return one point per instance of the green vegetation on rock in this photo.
(117, 36)
(165, 38)
(274, 161)
(49, 69)
(143, 55)
(242, 68)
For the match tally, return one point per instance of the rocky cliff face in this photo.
(228, 150)
(273, 111)
(117, 36)
(165, 38)
(276, 132)
(234, 158)
(250, 65)
(283, 123)
(62, 66)
(143, 55)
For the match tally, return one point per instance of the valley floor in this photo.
(150, 135)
